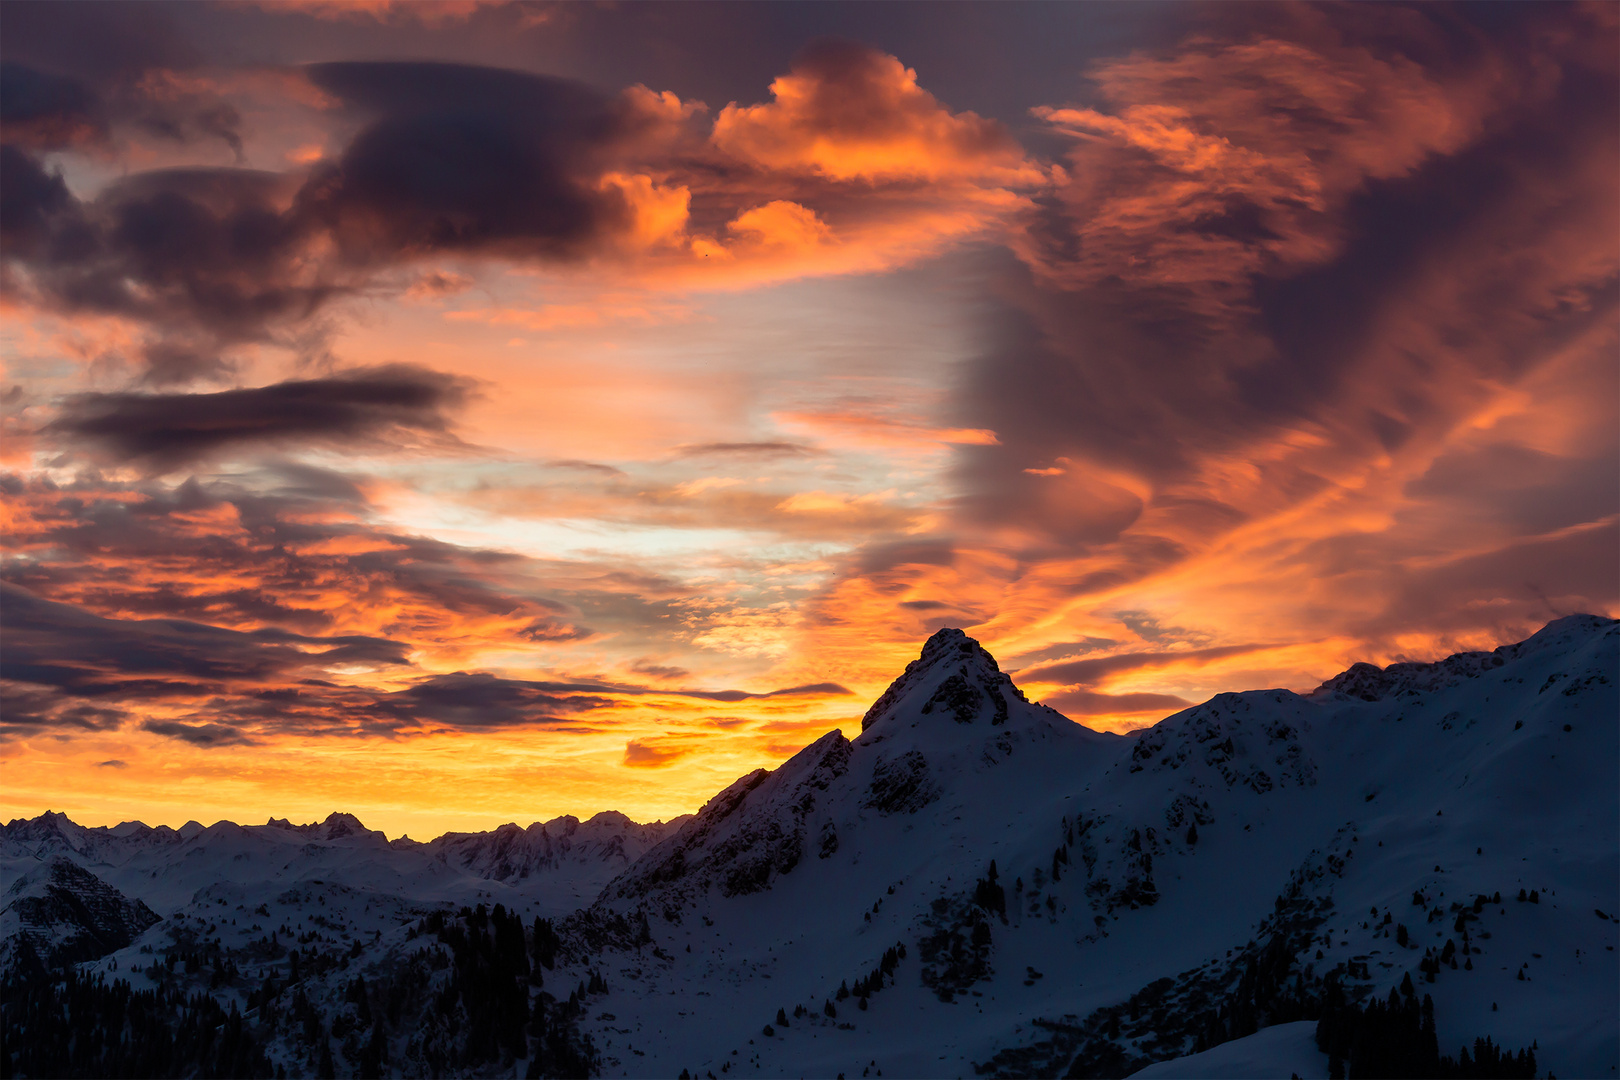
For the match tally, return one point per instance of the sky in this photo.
(475, 412)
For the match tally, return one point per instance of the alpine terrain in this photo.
(1412, 870)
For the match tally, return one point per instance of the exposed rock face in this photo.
(1368, 682)
(901, 785)
(750, 833)
(513, 853)
(954, 677)
(1233, 739)
(65, 915)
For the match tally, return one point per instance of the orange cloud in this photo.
(865, 426)
(646, 754)
(847, 113)
(1224, 160)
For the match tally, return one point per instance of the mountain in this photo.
(1259, 821)
(552, 868)
(936, 736)
(57, 913)
(972, 885)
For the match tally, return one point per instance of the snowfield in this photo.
(975, 885)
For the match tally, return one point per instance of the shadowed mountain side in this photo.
(975, 883)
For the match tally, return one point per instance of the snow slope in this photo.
(1275, 1053)
(1000, 891)
(1451, 780)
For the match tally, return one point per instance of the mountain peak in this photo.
(948, 640)
(956, 678)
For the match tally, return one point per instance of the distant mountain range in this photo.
(973, 885)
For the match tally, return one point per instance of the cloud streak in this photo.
(357, 407)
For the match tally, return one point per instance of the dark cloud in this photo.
(659, 671)
(749, 450)
(586, 466)
(880, 557)
(1522, 489)
(463, 159)
(205, 258)
(453, 158)
(472, 701)
(265, 559)
(27, 709)
(31, 199)
(1149, 627)
(114, 763)
(203, 735)
(61, 662)
(98, 73)
(1062, 649)
(812, 689)
(1135, 345)
(1177, 315)
(296, 480)
(42, 110)
(97, 40)
(1081, 702)
(555, 630)
(52, 644)
(355, 407)
(1089, 671)
(1512, 589)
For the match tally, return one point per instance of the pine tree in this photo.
(545, 943)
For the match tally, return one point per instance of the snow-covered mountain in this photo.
(552, 868)
(62, 914)
(974, 884)
(1254, 821)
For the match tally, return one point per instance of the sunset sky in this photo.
(478, 412)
